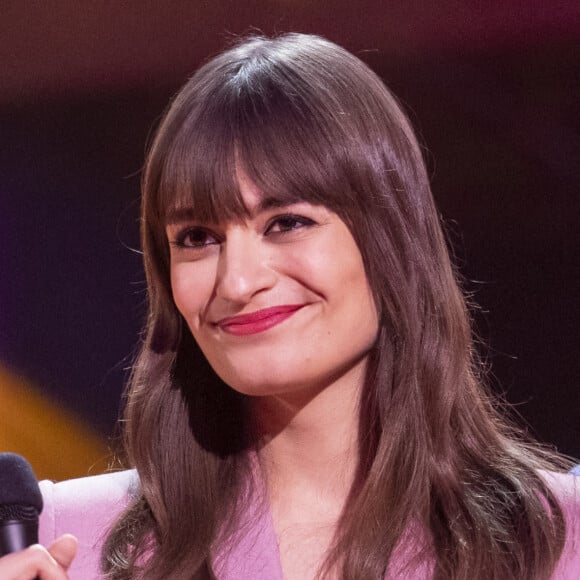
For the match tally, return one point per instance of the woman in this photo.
(307, 401)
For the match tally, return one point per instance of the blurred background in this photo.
(492, 88)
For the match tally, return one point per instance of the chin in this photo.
(262, 385)
(257, 387)
(257, 375)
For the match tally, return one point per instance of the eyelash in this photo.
(297, 222)
(182, 236)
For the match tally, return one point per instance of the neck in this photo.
(310, 441)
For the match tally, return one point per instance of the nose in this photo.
(244, 267)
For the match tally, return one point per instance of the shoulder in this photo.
(79, 503)
(566, 487)
(86, 507)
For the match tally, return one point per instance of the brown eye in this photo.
(288, 223)
(194, 238)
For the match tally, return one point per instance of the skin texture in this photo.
(304, 373)
(241, 267)
(37, 561)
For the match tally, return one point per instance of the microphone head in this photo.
(20, 497)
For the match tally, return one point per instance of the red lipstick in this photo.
(258, 321)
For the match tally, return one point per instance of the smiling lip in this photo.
(258, 321)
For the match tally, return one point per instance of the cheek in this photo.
(335, 272)
(192, 286)
(352, 293)
(338, 270)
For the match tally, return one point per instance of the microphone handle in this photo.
(16, 535)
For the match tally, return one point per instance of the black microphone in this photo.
(20, 504)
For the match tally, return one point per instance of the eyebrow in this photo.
(187, 214)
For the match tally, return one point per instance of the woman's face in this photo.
(279, 301)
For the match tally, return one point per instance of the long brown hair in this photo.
(309, 121)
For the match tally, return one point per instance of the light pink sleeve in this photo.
(87, 508)
(567, 489)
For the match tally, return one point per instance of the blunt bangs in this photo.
(277, 118)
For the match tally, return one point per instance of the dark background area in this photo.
(493, 89)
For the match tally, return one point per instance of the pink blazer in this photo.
(88, 507)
